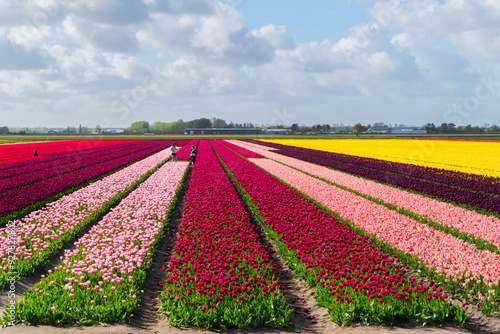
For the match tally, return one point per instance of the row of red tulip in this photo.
(17, 155)
(220, 277)
(61, 164)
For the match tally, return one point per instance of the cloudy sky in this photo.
(113, 62)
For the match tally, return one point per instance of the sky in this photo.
(114, 62)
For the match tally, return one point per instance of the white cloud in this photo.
(214, 32)
(101, 36)
(15, 57)
(114, 12)
(14, 12)
(31, 38)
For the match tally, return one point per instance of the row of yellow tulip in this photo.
(476, 157)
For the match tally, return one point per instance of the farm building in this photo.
(231, 131)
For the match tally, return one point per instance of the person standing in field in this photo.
(193, 154)
(174, 150)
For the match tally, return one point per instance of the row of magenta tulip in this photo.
(464, 224)
(220, 277)
(458, 264)
(184, 153)
(61, 164)
(43, 233)
(242, 150)
(450, 177)
(354, 280)
(16, 200)
(21, 154)
(480, 195)
(100, 280)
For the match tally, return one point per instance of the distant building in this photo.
(408, 131)
(377, 129)
(278, 131)
(113, 132)
(228, 131)
(342, 129)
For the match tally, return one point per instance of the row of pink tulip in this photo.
(447, 255)
(466, 221)
(102, 276)
(43, 233)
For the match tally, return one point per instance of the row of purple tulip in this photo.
(445, 177)
(403, 179)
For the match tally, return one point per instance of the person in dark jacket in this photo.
(193, 154)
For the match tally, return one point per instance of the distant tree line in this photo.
(176, 127)
(431, 128)
(179, 126)
(452, 128)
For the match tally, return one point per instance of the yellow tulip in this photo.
(474, 157)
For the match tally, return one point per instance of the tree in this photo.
(443, 127)
(325, 128)
(80, 129)
(139, 127)
(429, 127)
(305, 129)
(218, 123)
(4, 130)
(98, 129)
(159, 128)
(493, 128)
(451, 127)
(358, 128)
(201, 123)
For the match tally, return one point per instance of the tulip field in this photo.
(383, 231)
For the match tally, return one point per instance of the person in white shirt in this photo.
(174, 150)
